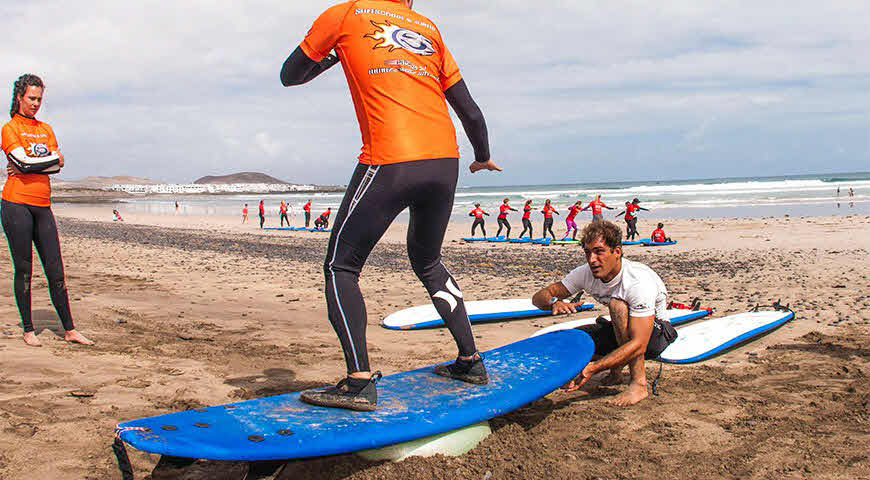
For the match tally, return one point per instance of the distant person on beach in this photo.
(245, 214)
(636, 299)
(307, 209)
(527, 221)
(322, 222)
(631, 209)
(851, 193)
(658, 235)
(262, 214)
(283, 210)
(573, 210)
(596, 206)
(478, 214)
(409, 159)
(176, 206)
(548, 212)
(26, 213)
(502, 218)
(117, 216)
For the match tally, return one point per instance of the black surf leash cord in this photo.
(120, 450)
(655, 383)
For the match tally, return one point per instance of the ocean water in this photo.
(796, 195)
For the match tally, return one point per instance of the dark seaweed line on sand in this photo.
(516, 261)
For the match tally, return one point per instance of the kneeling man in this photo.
(637, 300)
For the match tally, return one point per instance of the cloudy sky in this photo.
(586, 91)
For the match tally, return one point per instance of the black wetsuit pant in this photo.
(631, 228)
(477, 222)
(527, 225)
(283, 218)
(26, 226)
(262, 220)
(375, 196)
(307, 218)
(502, 222)
(548, 227)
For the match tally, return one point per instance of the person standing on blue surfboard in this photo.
(400, 73)
(637, 299)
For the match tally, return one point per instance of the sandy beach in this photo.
(190, 311)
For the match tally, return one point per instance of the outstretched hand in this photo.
(581, 379)
(487, 165)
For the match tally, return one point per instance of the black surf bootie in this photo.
(350, 393)
(469, 371)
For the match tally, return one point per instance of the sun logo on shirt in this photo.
(393, 37)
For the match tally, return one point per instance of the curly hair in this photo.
(604, 230)
(20, 86)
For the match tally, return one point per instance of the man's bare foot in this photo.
(613, 378)
(73, 336)
(30, 339)
(633, 394)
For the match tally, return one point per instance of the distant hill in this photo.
(242, 177)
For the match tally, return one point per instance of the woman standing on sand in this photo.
(26, 207)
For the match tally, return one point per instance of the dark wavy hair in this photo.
(604, 230)
(20, 86)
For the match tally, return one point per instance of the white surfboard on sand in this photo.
(677, 316)
(706, 339)
(479, 311)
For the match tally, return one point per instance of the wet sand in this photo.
(190, 312)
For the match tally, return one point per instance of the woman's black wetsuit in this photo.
(26, 226)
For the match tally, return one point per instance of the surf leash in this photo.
(120, 450)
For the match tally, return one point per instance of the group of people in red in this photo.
(320, 223)
(597, 207)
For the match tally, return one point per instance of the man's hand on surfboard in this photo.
(565, 308)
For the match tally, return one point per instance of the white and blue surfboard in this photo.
(479, 311)
(709, 338)
(411, 405)
(678, 316)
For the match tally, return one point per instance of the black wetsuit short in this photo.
(26, 226)
(663, 334)
(375, 196)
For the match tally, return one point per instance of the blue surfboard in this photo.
(412, 405)
(474, 239)
(520, 240)
(659, 244)
(496, 239)
(280, 228)
(318, 230)
(542, 241)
